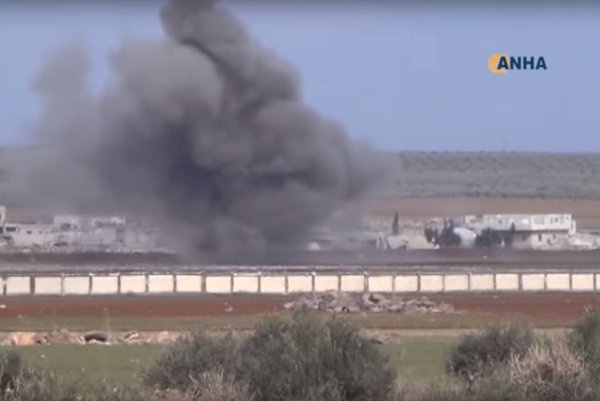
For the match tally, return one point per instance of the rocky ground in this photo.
(370, 303)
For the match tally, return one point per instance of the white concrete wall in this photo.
(432, 283)
(218, 284)
(275, 283)
(558, 282)
(272, 284)
(326, 283)
(48, 286)
(533, 282)
(482, 282)
(507, 282)
(188, 283)
(76, 285)
(133, 284)
(105, 285)
(457, 282)
(18, 285)
(297, 283)
(407, 283)
(354, 283)
(248, 284)
(583, 282)
(381, 283)
(158, 284)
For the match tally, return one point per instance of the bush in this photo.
(551, 372)
(303, 357)
(548, 371)
(476, 355)
(20, 382)
(181, 366)
(584, 339)
(310, 358)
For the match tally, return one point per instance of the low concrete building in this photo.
(533, 231)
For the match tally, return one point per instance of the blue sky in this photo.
(401, 77)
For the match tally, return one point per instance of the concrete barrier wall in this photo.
(507, 282)
(248, 284)
(558, 282)
(297, 283)
(456, 282)
(380, 283)
(533, 282)
(218, 284)
(133, 284)
(160, 284)
(432, 283)
(18, 285)
(48, 285)
(583, 282)
(272, 285)
(188, 283)
(76, 285)
(352, 283)
(105, 285)
(406, 283)
(290, 283)
(482, 282)
(326, 283)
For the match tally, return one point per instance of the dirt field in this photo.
(556, 306)
(418, 207)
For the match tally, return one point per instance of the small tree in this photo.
(307, 357)
(304, 357)
(476, 355)
(184, 362)
(584, 339)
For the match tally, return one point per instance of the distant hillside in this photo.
(483, 174)
(454, 174)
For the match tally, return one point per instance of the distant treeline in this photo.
(493, 174)
(460, 174)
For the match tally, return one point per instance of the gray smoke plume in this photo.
(204, 133)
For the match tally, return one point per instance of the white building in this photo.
(533, 231)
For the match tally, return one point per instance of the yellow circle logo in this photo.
(493, 62)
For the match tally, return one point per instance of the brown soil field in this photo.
(423, 207)
(555, 305)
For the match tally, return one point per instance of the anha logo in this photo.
(501, 63)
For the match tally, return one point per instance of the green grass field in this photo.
(414, 357)
(237, 323)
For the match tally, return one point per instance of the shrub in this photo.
(306, 357)
(303, 357)
(584, 339)
(217, 386)
(476, 355)
(550, 372)
(190, 357)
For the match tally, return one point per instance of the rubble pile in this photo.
(91, 337)
(371, 302)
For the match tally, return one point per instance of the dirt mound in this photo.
(371, 303)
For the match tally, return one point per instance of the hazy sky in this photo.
(401, 77)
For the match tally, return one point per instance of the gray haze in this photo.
(204, 133)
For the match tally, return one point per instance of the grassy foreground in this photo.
(375, 321)
(415, 357)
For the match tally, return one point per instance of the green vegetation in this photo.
(493, 174)
(419, 357)
(309, 357)
(482, 353)
(386, 321)
(297, 358)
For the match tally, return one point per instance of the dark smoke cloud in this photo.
(204, 133)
